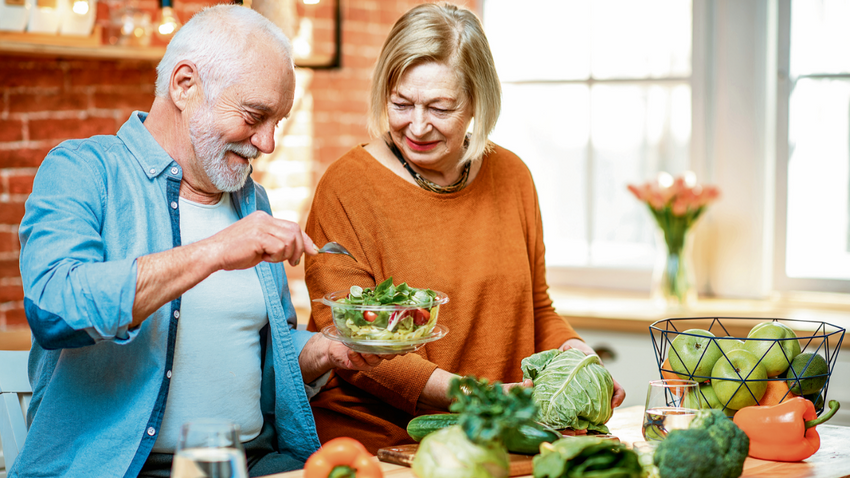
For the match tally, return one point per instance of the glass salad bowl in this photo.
(388, 319)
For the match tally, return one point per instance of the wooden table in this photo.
(831, 461)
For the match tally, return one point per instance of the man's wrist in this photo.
(314, 359)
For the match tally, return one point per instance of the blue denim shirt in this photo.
(99, 387)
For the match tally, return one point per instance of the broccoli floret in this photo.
(733, 443)
(689, 453)
(713, 446)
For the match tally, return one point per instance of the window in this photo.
(596, 95)
(814, 162)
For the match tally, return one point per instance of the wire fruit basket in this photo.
(791, 357)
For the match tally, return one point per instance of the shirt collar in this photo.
(150, 155)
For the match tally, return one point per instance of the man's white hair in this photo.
(216, 40)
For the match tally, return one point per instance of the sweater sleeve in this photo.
(550, 329)
(334, 216)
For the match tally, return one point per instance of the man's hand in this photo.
(619, 394)
(260, 237)
(164, 276)
(321, 354)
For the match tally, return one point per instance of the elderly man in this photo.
(153, 275)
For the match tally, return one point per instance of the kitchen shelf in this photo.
(67, 46)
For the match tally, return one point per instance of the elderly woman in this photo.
(430, 205)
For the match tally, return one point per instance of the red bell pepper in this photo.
(783, 432)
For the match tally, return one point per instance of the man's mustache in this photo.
(246, 150)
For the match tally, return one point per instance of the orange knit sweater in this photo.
(482, 246)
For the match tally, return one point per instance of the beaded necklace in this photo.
(429, 185)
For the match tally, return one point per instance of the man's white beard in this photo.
(210, 149)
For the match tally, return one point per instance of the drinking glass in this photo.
(670, 404)
(209, 449)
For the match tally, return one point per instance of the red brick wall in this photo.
(45, 101)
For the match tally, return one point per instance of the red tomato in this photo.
(369, 316)
(421, 316)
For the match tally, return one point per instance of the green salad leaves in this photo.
(387, 312)
(386, 293)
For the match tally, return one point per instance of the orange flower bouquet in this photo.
(676, 204)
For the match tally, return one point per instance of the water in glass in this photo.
(209, 449)
(670, 405)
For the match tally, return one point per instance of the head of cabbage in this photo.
(448, 453)
(573, 390)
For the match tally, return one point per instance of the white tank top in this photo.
(216, 371)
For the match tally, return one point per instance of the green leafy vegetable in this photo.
(475, 447)
(487, 412)
(525, 438)
(387, 312)
(713, 440)
(576, 457)
(572, 389)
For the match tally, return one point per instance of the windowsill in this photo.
(626, 311)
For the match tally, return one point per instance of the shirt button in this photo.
(168, 374)
(173, 205)
(176, 314)
(151, 431)
(174, 170)
(153, 171)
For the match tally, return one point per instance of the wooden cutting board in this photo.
(403, 455)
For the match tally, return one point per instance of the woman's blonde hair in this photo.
(441, 33)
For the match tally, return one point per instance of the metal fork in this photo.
(334, 248)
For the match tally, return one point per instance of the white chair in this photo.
(15, 394)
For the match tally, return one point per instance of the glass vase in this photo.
(673, 278)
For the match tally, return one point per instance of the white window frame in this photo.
(785, 85)
(607, 277)
(739, 141)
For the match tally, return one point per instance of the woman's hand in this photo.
(321, 354)
(619, 394)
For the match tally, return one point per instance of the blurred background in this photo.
(753, 97)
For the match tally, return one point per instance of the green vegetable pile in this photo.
(577, 457)
(712, 447)
(387, 312)
(525, 439)
(572, 389)
(474, 448)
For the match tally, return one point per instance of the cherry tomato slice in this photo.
(421, 316)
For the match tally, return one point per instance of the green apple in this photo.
(728, 344)
(769, 322)
(739, 380)
(774, 344)
(703, 399)
(693, 354)
(706, 398)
